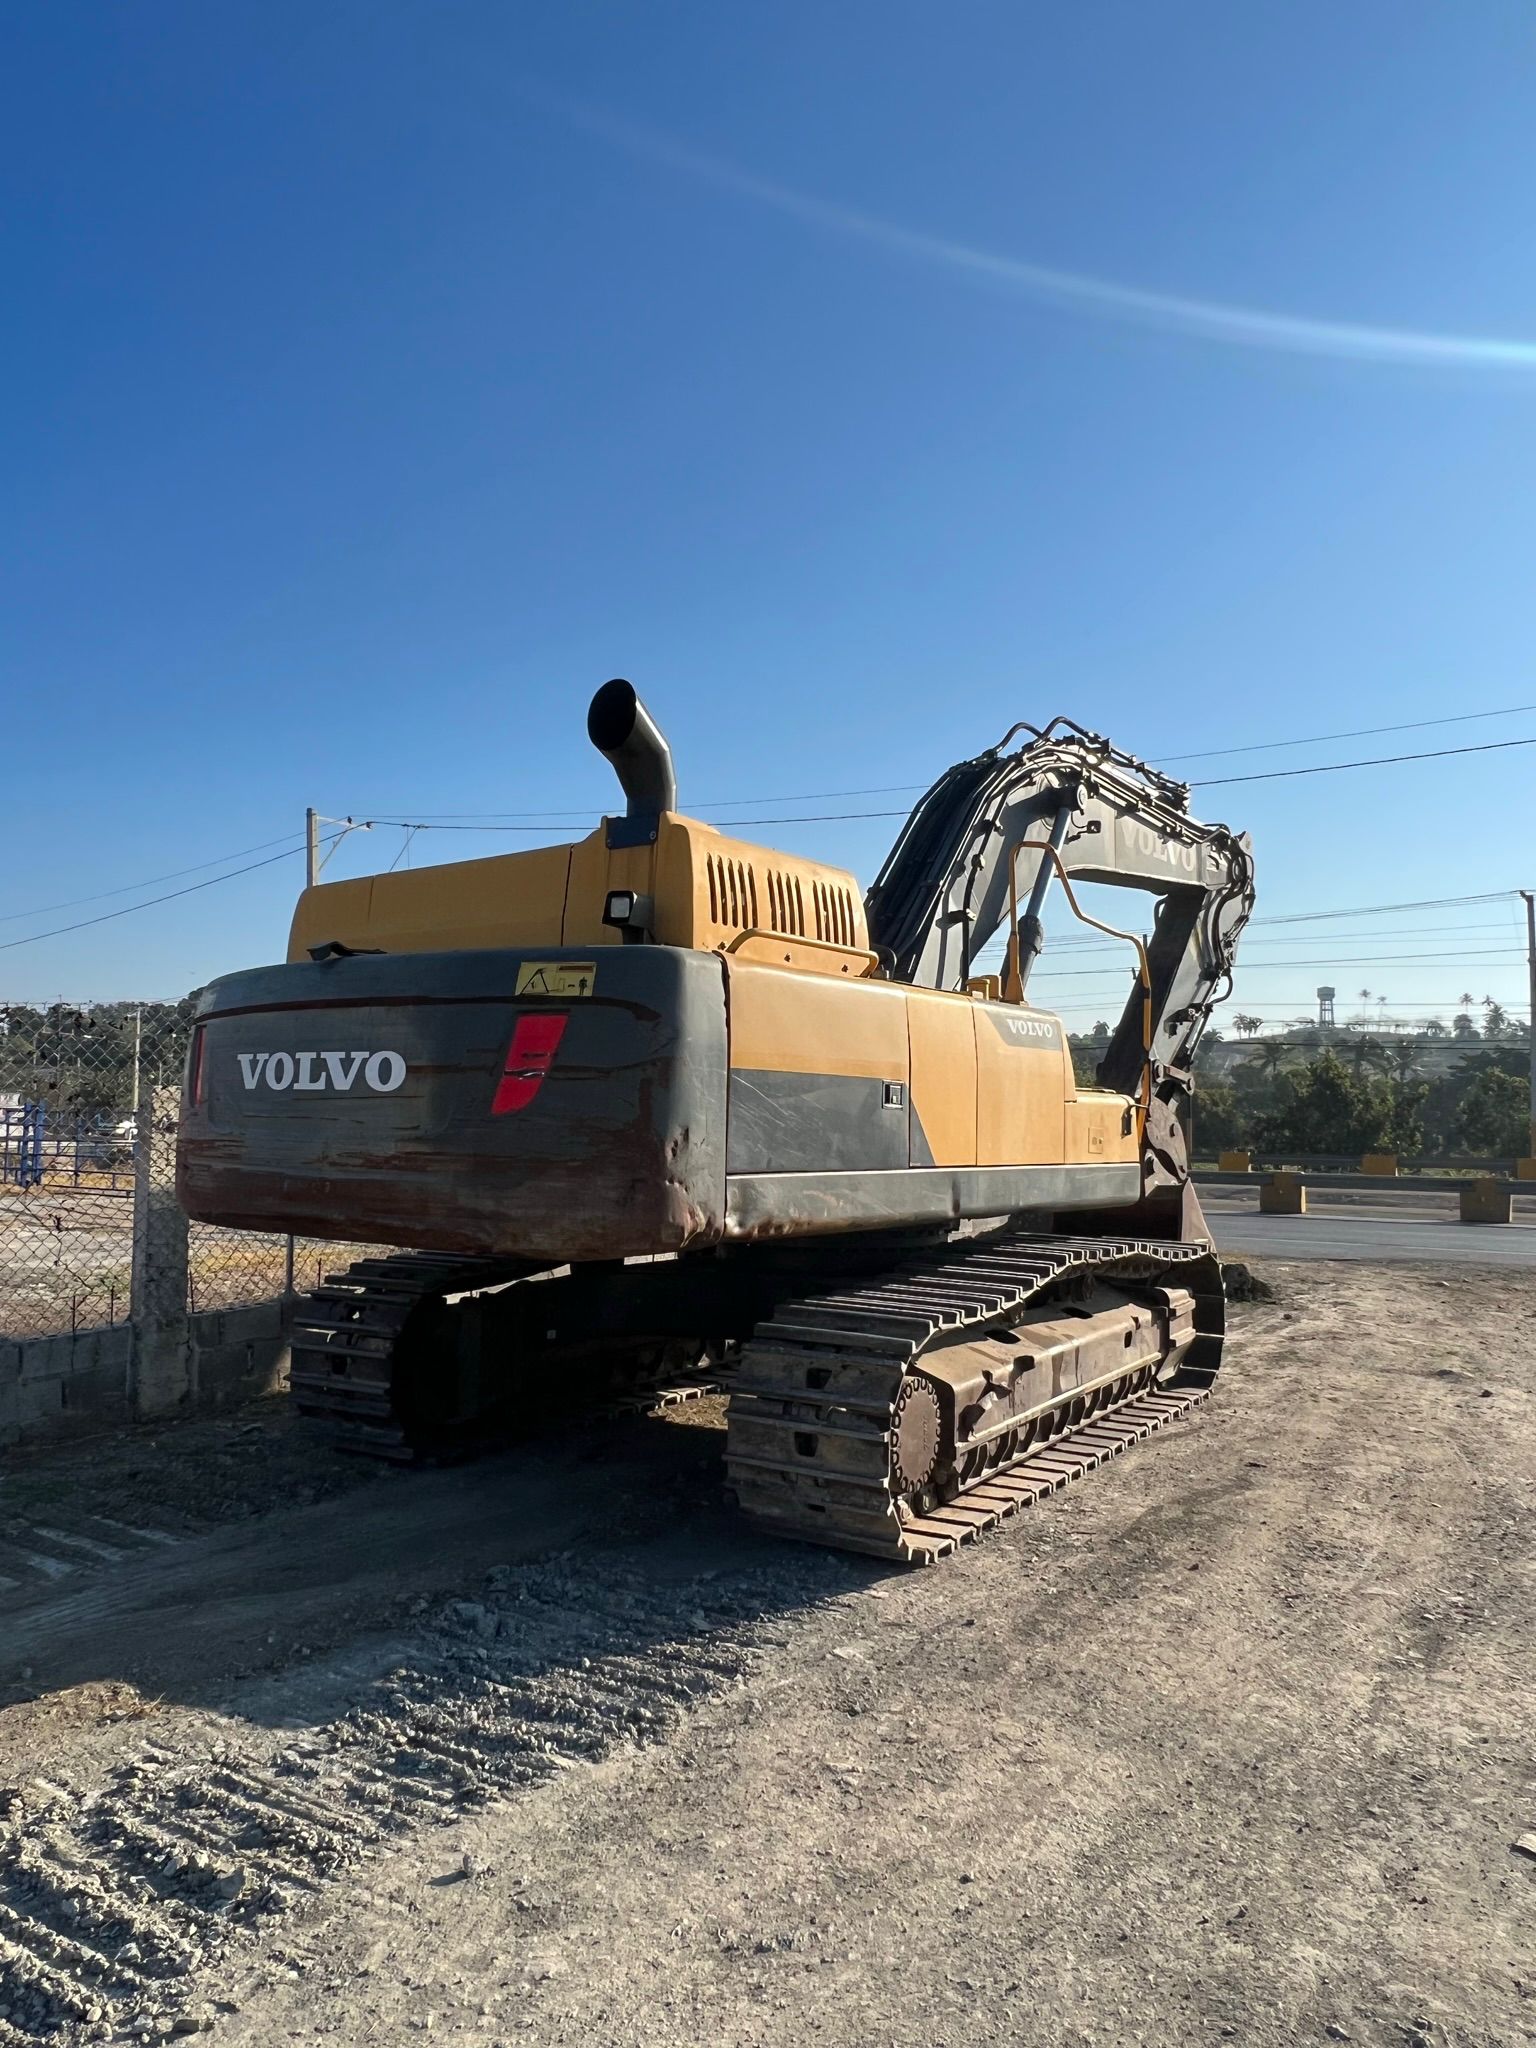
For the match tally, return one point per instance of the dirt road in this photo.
(1232, 1742)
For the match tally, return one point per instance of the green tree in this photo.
(1405, 1115)
(1328, 1107)
(1494, 1114)
(1220, 1122)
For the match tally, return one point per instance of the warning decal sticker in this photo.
(556, 977)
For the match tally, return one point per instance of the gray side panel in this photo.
(802, 1123)
(775, 1204)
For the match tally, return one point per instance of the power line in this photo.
(848, 817)
(1371, 962)
(130, 888)
(1386, 909)
(1411, 931)
(128, 909)
(1378, 761)
(1325, 916)
(915, 788)
(1359, 732)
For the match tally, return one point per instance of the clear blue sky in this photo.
(379, 379)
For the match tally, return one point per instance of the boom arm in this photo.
(944, 889)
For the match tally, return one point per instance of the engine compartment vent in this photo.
(732, 893)
(786, 905)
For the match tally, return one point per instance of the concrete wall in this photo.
(91, 1381)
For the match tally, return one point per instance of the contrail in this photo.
(1207, 319)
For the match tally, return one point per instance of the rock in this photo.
(231, 1885)
(1241, 1283)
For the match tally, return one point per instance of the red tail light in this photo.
(528, 1061)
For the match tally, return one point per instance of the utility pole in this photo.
(311, 847)
(1530, 955)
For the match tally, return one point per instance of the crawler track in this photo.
(345, 1336)
(347, 1342)
(814, 1447)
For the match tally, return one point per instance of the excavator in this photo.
(661, 1102)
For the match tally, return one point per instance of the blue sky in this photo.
(379, 379)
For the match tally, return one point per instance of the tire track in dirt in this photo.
(115, 1901)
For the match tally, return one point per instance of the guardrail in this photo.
(1379, 1165)
(1483, 1198)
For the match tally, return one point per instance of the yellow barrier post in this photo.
(1234, 1162)
(1384, 1163)
(1525, 1169)
(1485, 1201)
(1283, 1194)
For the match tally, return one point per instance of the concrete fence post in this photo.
(160, 1372)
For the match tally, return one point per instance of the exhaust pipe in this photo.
(624, 732)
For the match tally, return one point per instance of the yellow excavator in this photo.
(663, 1101)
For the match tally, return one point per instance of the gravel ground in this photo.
(1231, 1742)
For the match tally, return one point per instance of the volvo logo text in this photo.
(1138, 838)
(1030, 1027)
(382, 1072)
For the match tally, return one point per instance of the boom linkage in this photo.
(943, 892)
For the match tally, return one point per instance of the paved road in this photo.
(1378, 1235)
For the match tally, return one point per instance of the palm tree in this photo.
(1403, 1059)
(1495, 1020)
(1369, 1052)
(1246, 1026)
(1269, 1058)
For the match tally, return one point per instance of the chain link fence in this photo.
(74, 1085)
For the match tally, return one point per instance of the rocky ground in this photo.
(1232, 1742)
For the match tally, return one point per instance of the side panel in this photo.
(816, 1144)
(1101, 1127)
(819, 1072)
(941, 1031)
(1023, 1077)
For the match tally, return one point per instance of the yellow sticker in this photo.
(556, 977)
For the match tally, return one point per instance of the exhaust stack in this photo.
(624, 732)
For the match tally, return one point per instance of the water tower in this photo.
(1325, 998)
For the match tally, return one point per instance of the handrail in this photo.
(758, 931)
(1015, 977)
